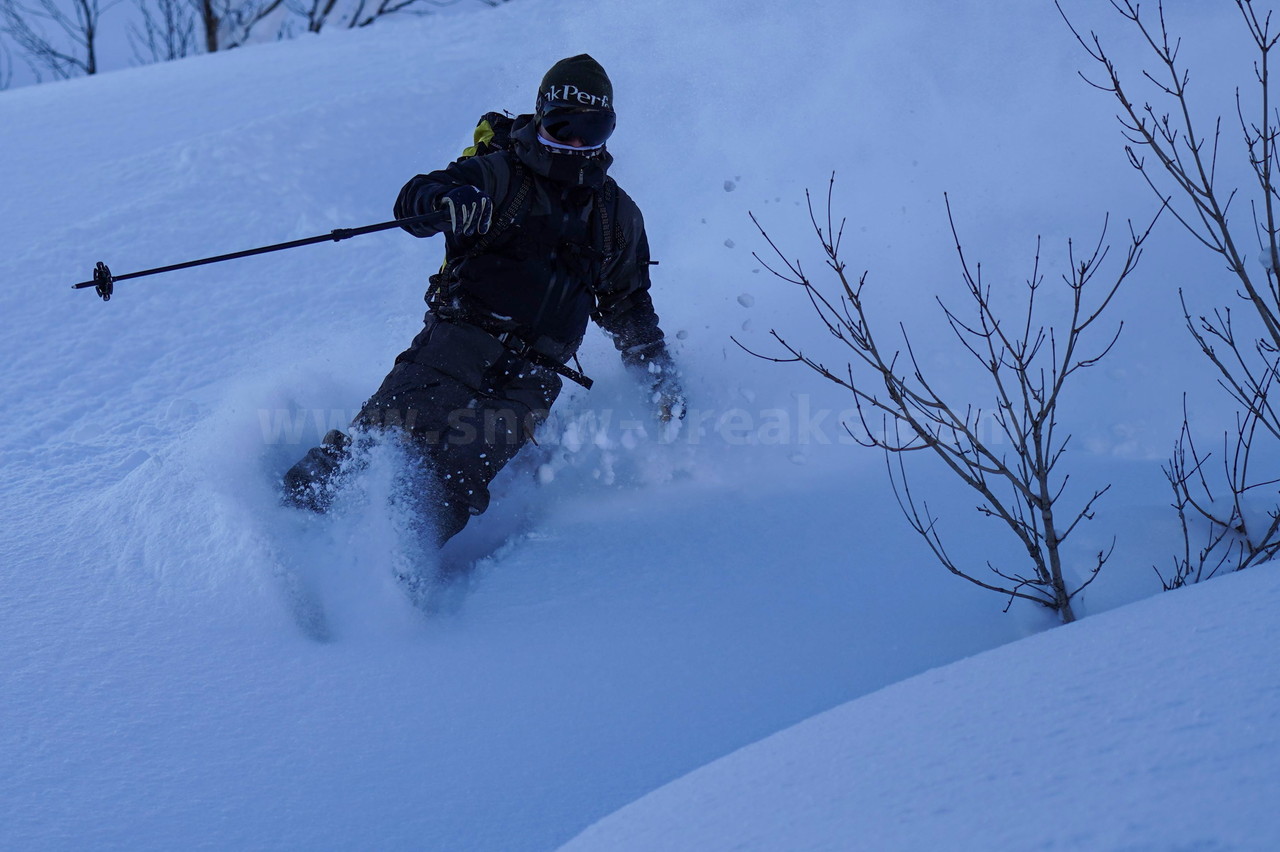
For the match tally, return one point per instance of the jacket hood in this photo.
(570, 169)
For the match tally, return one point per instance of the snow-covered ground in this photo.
(652, 605)
(1152, 727)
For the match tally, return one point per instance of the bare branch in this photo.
(167, 31)
(6, 68)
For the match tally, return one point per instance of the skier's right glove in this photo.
(670, 404)
(668, 396)
(470, 210)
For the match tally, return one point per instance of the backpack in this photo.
(493, 133)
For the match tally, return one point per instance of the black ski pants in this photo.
(465, 404)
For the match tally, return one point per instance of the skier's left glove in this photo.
(470, 210)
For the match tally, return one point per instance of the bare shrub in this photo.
(1230, 512)
(901, 409)
(53, 40)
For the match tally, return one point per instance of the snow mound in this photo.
(1154, 726)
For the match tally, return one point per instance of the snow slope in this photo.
(1152, 727)
(652, 605)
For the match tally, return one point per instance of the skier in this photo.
(538, 239)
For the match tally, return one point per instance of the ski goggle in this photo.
(591, 127)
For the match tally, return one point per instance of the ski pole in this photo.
(104, 282)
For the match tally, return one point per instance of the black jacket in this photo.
(545, 273)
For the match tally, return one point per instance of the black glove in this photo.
(671, 406)
(470, 210)
(668, 397)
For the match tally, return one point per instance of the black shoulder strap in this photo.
(443, 282)
(608, 203)
(511, 210)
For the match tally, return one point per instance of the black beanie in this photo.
(578, 80)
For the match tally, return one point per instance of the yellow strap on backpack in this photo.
(483, 136)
